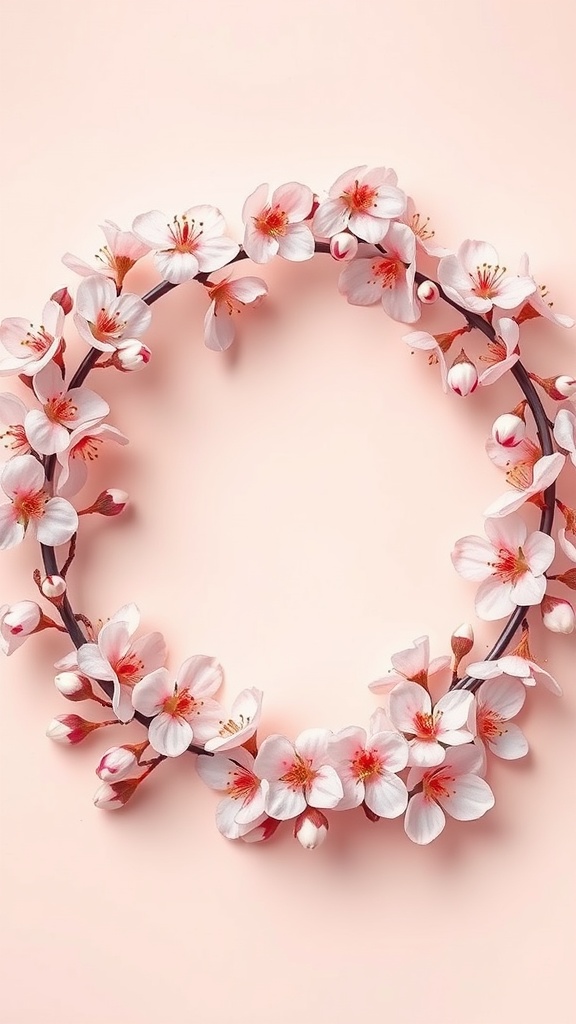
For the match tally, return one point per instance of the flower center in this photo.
(219, 293)
(510, 565)
(365, 764)
(129, 670)
(39, 342)
(360, 198)
(436, 785)
(420, 227)
(86, 448)
(15, 438)
(243, 785)
(272, 221)
(426, 725)
(180, 704)
(387, 271)
(119, 264)
(486, 280)
(108, 325)
(60, 409)
(231, 727)
(30, 506)
(489, 724)
(299, 774)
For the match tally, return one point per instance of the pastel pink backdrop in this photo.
(293, 507)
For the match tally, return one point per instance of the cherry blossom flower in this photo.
(519, 663)
(546, 471)
(455, 788)
(227, 298)
(432, 728)
(475, 279)
(276, 227)
(121, 252)
(52, 520)
(362, 201)
(425, 238)
(29, 349)
(48, 429)
(190, 243)
(18, 622)
(182, 710)
(387, 277)
(83, 448)
(536, 305)
(242, 724)
(509, 566)
(367, 767)
(12, 416)
(503, 353)
(518, 461)
(104, 319)
(425, 342)
(242, 809)
(414, 665)
(117, 658)
(299, 774)
(497, 701)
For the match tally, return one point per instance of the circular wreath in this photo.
(420, 757)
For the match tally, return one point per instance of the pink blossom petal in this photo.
(275, 757)
(505, 697)
(345, 182)
(11, 531)
(386, 795)
(48, 383)
(510, 744)
(129, 614)
(44, 435)
(297, 244)
(513, 290)
(294, 199)
(150, 649)
(218, 771)
(247, 289)
(252, 807)
(392, 748)
(226, 823)
(149, 694)
(389, 202)
(425, 753)
(438, 665)
(94, 294)
(406, 701)
(214, 253)
(566, 545)
(330, 218)
(201, 674)
(472, 558)
(509, 533)
(312, 744)
(497, 370)
(546, 471)
(153, 228)
(529, 590)
(565, 430)
(326, 788)
(424, 820)
(472, 254)
(452, 711)
(114, 641)
(494, 600)
(59, 522)
(456, 737)
(284, 803)
(358, 284)
(539, 550)
(255, 203)
(371, 229)
(206, 719)
(169, 735)
(219, 330)
(209, 217)
(469, 798)
(382, 176)
(384, 684)
(22, 475)
(12, 410)
(90, 407)
(92, 663)
(400, 303)
(463, 760)
(122, 702)
(415, 660)
(176, 267)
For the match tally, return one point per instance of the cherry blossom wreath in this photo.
(419, 758)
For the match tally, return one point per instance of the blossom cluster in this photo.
(421, 756)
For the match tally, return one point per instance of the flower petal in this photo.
(424, 820)
(58, 524)
(386, 795)
(170, 735)
(469, 798)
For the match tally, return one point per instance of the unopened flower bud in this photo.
(64, 300)
(428, 292)
(117, 763)
(53, 587)
(508, 430)
(311, 828)
(557, 388)
(109, 503)
(74, 686)
(261, 833)
(131, 356)
(110, 796)
(566, 386)
(462, 642)
(71, 729)
(462, 376)
(17, 622)
(343, 246)
(558, 615)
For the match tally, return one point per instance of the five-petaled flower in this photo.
(519, 663)
(509, 565)
(83, 448)
(29, 349)
(182, 710)
(242, 724)
(242, 808)
(227, 298)
(387, 277)
(121, 252)
(105, 319)
(476, 280)
(53, 520)
(363, 201)
(63, 410)
(414, 665)
(497, 701)
(455, 787)
(191, 243)
(368, 766)
(276, 227)
(299, 773)
(431, 728)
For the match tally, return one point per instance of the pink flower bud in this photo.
(108, 503)
(462, 641)
(343, 246)
(71, 729)
(53, 587)
(261, 833)
(17, 622)
(117, 763)
(64, 299)
(74, 686)
(566, 386)
(131, 356)
(558, 615)
(428, 292)
(462, 376)
(311, 828)
(110, 796)
(509, 429)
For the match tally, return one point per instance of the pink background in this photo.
(293, 510)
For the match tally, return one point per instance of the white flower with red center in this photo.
(276, 227)
(509, 566)
(12, 416)
(414, 665)
(242, 809)
(121, 252)
(385, 277)
(518, 461)
(475, 279)
(104, 319)
(546, 470)
(52, 520)
(84, 446)
(454, 788)
(18, 622)
(420, 225)
(48, 429)
(121, 660)
(228, 298)
(182, 710)
(503, 353)
(536, 305)
(519, 663)
(29, 349)
(242, 724)
(431, 728)
(189, 244)
(362, 201)
(367, 766)
(497, 701)
(300, 774)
